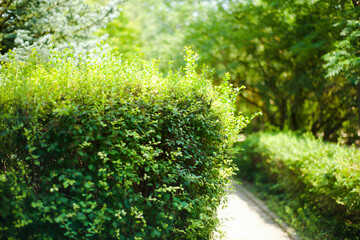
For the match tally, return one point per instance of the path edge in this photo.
(260, 204)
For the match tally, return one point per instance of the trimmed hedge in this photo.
(107, 148)
(321, 177)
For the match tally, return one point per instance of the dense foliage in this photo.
(107, 148)
(344, 58)
(41, 24)
(298, 59)
(318, 182)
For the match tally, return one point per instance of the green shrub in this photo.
(321, 177)
(107, 148)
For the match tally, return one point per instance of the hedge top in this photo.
(66, 79)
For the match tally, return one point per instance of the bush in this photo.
(107, 148)
(321, 177)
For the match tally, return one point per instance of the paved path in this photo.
(249, 219)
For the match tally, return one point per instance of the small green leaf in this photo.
(81, 216)
(2, 177)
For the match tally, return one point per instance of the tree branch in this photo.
(263, 110)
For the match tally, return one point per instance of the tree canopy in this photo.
(29, 24)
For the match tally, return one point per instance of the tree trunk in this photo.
(283, 114)
(358, 102)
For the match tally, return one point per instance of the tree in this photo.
(275, 49)
(344, 59)
(28, 24)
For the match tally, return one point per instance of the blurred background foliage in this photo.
(298, 59)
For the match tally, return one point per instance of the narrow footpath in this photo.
(247, 218)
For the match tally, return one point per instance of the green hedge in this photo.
(321, 177)
(107, 148)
